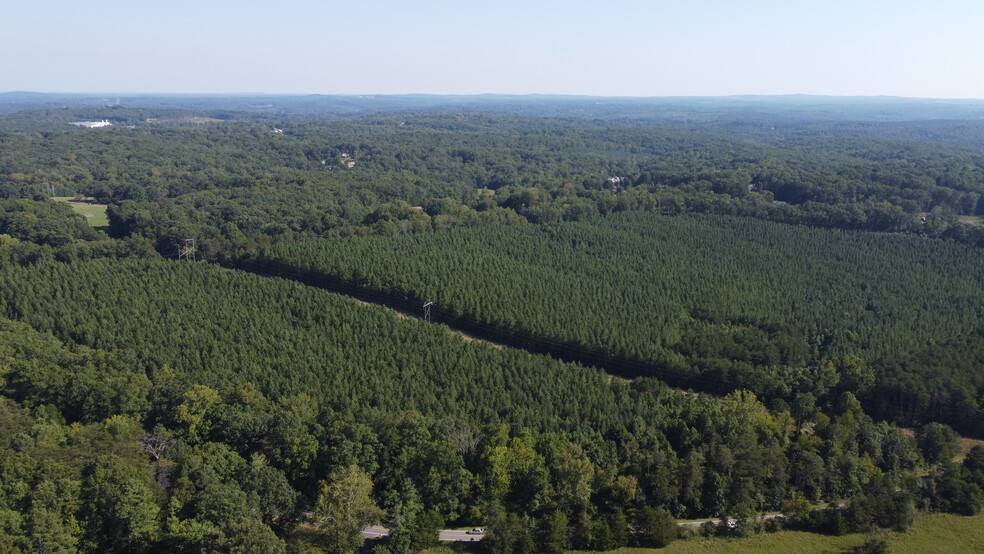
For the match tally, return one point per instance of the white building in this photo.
(92, 124)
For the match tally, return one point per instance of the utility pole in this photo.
(187, 250)
(427, 311)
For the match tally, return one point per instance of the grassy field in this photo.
(94, 213)
(965, 445)
(931, 533)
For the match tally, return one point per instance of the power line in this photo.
(187, 250)
(612, 363)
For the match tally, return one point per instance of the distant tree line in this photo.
(230, 183)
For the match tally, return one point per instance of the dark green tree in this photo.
(654, 527)
(554, 533)
(938, 442)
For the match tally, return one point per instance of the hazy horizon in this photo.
(794, 95)
(622, 48)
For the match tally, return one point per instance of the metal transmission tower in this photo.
(427, 311)
(187, 250)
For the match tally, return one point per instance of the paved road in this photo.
(731, 521)
(450, 535)
(453, 535)
(375, 532)
(460, 536)
(715, 521)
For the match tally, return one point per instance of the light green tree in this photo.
(195, 411)
(344, 507)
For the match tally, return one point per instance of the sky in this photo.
(606, 48)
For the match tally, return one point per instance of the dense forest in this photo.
(445, 427)
(697, 309)
(715, 304)
(223, 180)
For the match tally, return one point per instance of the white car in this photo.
(476, 531)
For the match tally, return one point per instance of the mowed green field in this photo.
(94, 213)
(930, 533)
